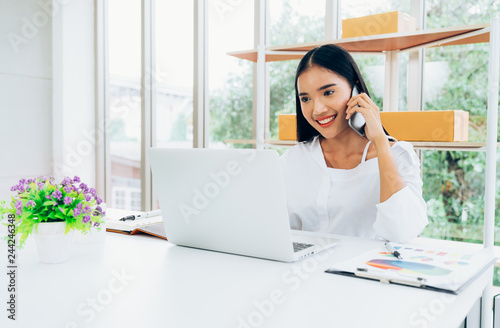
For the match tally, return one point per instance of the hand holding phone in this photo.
(357, 121)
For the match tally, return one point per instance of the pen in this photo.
(389, 276)
(141, 215)
(393, 251)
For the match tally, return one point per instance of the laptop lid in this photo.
(225, 200)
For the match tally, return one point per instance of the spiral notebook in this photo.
(435, 268)
(151, 225)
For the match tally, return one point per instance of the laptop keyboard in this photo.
(297, 247)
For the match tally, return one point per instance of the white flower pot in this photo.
(93, 236)
(52, 244)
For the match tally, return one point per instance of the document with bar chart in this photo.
(429, 267)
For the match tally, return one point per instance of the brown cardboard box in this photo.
(446, 125)
(449, 125)
(391, 22)
(287, 127)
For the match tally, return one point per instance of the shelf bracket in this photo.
(391, 89)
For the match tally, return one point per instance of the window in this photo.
(231, 28)
(296, 21)
(456, 77)
(453, 181)
(373, 66)
(170, 82)
(174, 73)
(292, 21)
(124, 22)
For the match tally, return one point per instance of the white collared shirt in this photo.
(347, 202)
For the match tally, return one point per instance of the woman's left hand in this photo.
(363, 104)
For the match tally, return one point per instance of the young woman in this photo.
(338, 181)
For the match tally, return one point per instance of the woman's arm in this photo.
(390, 178)
(402, 212)
(403, 215)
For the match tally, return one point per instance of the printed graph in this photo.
(407, 267)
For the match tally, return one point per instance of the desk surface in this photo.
(139, 281)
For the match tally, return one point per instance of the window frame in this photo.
(261, 90)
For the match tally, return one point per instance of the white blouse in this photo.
(346, 202)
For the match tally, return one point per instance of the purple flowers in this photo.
(57, 194)
(83, 187)
(19, 207)
(87, 209)
(78, 210)
(98, 211)
(44, 200)
(20, 188)
(68, 188)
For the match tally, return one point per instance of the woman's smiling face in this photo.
(323, 97)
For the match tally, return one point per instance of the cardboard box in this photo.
(445, 126)
(287, 127)
(390, 22)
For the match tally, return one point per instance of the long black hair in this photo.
(335, 59)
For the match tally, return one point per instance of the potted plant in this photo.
(51, 212)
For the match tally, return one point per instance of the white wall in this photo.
(25, 92)
(73, 90)
(46, 90)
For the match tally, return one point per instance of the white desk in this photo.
(171, 286)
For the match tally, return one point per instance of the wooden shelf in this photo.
(402, 42)
(270, 55)
(241, 141)
(470, 146)
(287, 143)
(380, 43)
(416, 145)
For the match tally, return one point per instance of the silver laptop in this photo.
(230, 201)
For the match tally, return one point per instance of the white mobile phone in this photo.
(357, 121)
